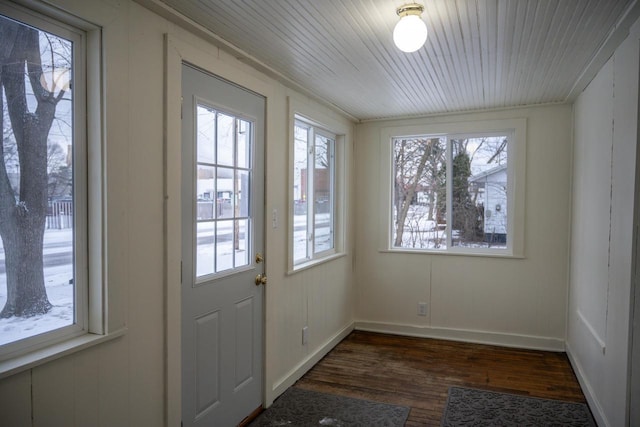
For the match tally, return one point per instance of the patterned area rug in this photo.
(299, 407)
(471, 407)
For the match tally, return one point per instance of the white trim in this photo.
(53, 352)
(305, 365)
(319, 120)
(516, 171)
(615, 37)
(314, 262)
(592, 401)
(89, 170)
(96, 154)
(465, 335)
(202, 56)
(592, 332)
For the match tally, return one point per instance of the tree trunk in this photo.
(26, 293)
(408, 197)
(22, 217)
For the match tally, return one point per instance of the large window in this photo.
(313, 192)
(453, 192)
(43, 203)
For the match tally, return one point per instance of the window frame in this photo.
(516, 173)
(322, 118)
(313, 131)
(237, 117)
(89, 194)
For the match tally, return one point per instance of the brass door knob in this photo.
(261, 280)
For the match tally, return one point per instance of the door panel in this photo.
(222, 211)
(207, 362)
(244, 346)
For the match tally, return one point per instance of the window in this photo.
(44, 293)
(313, 192)
(455, 192)
(224, 147)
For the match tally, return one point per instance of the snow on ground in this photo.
(59, 292)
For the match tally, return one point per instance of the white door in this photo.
(222, 228)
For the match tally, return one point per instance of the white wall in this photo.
(122, 382)
(517, 302)
(604, 162)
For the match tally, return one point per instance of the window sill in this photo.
(309, 264)
(502, 254)
(55, 351)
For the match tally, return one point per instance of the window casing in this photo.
(314, 192)
(76, 306)
(463, 177)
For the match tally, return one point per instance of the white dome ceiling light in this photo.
(410, 32)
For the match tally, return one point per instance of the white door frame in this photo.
(206, 57)
(633, 395)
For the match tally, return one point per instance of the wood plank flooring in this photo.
(417, 372)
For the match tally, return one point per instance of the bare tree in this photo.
(23, 211)
(60, 179)
(420, 175)
(416, 163)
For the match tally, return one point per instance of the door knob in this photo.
(261, 280)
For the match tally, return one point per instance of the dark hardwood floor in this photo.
(417, 372)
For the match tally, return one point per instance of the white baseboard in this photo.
(299, 370)
(478, 337)
(585, 385)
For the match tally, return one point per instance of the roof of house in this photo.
(487, 173)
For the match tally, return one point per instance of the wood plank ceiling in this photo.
(480, 54)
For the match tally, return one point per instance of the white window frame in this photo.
(89, 196)
(516, 149)
(313, 131)
(323, 120)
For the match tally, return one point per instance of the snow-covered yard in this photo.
(59, 291)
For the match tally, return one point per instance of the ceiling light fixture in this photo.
(410, 32)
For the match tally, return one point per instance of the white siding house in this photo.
(491, 187)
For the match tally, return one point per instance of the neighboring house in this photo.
(490, 190)
(570, 290)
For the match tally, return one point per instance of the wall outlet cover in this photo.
(422, 309)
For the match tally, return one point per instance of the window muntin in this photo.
(313, 192)
(461, 180)
(44, 200)
(223, 190)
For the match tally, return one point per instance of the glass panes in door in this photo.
(223, 191)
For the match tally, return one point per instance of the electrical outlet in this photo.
(305, 335)
(422, 309)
